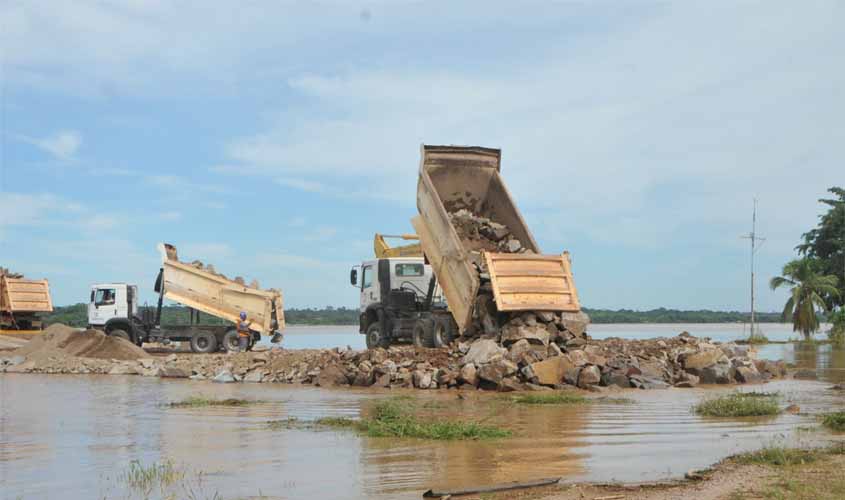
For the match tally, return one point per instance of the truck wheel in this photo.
(121, 334)
(203, 342)
(443, 333)
(375, 337)
(230, 341)
(424, 333)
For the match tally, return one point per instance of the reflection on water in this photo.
(69, 436)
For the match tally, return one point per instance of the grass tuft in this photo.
(549, 398)
(199, 402)
(739, 404)
(776, 455)
(145, 478)
(834, 421)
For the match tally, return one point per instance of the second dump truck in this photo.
(23, 301)
(113, 307)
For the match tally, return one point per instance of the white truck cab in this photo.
(400, 302)
(111, 300)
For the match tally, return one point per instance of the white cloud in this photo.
(22, 209)
(208, 252)
(62, 145)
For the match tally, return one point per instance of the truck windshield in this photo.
(406, 270)
(104, 296)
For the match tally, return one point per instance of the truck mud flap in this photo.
(530, 282)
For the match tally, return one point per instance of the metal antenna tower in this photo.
(754, 247)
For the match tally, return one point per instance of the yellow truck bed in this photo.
(453, 176)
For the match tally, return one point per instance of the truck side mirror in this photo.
(353, 277)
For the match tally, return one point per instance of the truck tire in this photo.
(230, 341)
(203, 342)
(375, 337)
(442, 332)
(121, 334)
(424, 333)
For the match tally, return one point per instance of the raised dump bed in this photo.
(454, 178)
(22, 301)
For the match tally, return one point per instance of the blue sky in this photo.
(274, 138)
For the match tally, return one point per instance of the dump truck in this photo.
(113, 307)
(454, 177)
(394, 308)
(22, 301)
(383, 249)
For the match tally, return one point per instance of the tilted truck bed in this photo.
(19, 295)
(452, 176)
(214, 294)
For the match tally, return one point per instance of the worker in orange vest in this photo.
(243, 332)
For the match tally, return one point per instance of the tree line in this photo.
(77, 315)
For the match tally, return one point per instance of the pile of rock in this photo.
(533, 362)
(9, 274)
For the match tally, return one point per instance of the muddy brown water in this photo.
(72, 437)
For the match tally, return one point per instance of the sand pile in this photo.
(61, 341)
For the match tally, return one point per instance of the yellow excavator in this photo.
(383, 250)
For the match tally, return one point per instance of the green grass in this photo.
(199, 402)
(739, 404)
(548, 398)
(144, 478)
(777, 455)
(835, 421)
(758, 338)
(395, 418)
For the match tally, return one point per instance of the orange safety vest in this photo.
(243, 328)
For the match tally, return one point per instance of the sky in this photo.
(272, 139)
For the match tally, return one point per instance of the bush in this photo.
(777, 455)
(739, 404)
(837, 332)
(835, 421)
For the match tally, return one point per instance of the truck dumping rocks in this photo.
(564, 360)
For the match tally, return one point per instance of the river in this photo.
(73, 436)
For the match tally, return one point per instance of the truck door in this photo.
(103, 305)
(370, 293)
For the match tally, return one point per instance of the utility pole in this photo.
(754, 239)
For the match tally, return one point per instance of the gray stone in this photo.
(496, 371)
(574, 323)
(545, 316)
(642, 382)
(617, 378)
(514, 246)
(719, 373)
(552, 371)
(224, 377)
(483, 351)
(255, 376)
(469, 374)
(748, 375)
(700, 360)
(173, 372)
(422, 379)
(590, 375)
(578, 357)
(331, 376)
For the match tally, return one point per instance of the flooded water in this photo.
(72, 436)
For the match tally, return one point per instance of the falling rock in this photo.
(223, 377)
(590, 375)
(552, 371)
(483, 351)
(331, 376)
(469, 374)
(545, 316)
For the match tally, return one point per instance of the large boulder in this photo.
(469, 374)
(748, 375)
(574, 323)
(483, 351)
(331, 376)
(718, 373)
(696, 362)
(589, 375)
(552, 370)
(535, 334)
(495, 372)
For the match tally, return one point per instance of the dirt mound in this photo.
(63, 341)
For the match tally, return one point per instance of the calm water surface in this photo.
(72, 436)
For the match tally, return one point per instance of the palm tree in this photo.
(808, 290)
